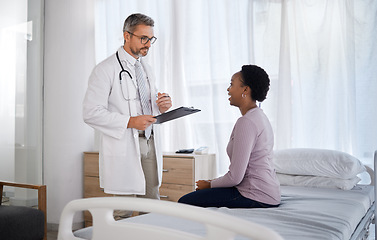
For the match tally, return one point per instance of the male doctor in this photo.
(120, 102)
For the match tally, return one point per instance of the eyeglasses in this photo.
(145, 39)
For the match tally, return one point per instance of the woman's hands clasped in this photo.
(203, 184)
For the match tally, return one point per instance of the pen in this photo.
(162, 96)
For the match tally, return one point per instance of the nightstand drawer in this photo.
(88, 219)
(173, 192)
(178, 171)
(92, 189)
(91, 166)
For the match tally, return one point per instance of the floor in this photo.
(52, 235)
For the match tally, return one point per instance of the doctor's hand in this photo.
(141, 122)
(163, 102)
(203, 184)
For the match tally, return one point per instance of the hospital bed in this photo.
(325, 205)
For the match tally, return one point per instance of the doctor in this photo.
(120, 102)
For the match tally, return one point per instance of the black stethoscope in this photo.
(123, 70)
(120, 77)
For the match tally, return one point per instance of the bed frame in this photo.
(218, 225)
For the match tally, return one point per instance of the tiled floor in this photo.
(51, 235)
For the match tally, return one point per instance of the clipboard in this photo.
(174, 114)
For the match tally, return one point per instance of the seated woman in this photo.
(251, 181)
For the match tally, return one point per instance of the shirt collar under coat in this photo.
(125, 56)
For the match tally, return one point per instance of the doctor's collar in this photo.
(126, 56)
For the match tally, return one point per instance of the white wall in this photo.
(69, 59)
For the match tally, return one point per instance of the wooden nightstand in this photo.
(91, 181)
(179, 176)
(181, 171)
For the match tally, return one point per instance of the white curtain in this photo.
(321, 56)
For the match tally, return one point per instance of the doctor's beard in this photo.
(142, 52)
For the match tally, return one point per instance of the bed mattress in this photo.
(304, 213)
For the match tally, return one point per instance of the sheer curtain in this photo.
(320, 56)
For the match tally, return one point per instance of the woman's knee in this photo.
(192, 198)
(181, 200)
(184, 199)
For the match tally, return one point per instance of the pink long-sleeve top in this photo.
(250, 150)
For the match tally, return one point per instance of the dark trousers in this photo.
(221, 197)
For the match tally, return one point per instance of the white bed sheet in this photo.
(305, 213)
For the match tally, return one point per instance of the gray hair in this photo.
(136, 19)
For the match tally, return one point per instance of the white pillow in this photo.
(317, 162)
(319, 182)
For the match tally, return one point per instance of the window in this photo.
(21, 65)
(319, 56)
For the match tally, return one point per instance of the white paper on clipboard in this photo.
(174, 114)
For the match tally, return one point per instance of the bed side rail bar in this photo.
(219, 225)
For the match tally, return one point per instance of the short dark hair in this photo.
(257, 79)
(136, 19)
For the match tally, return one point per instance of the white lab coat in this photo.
(108, 109)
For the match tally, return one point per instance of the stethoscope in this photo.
(123, 70)
(120, 77)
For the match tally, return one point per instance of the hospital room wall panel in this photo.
(68, 61)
